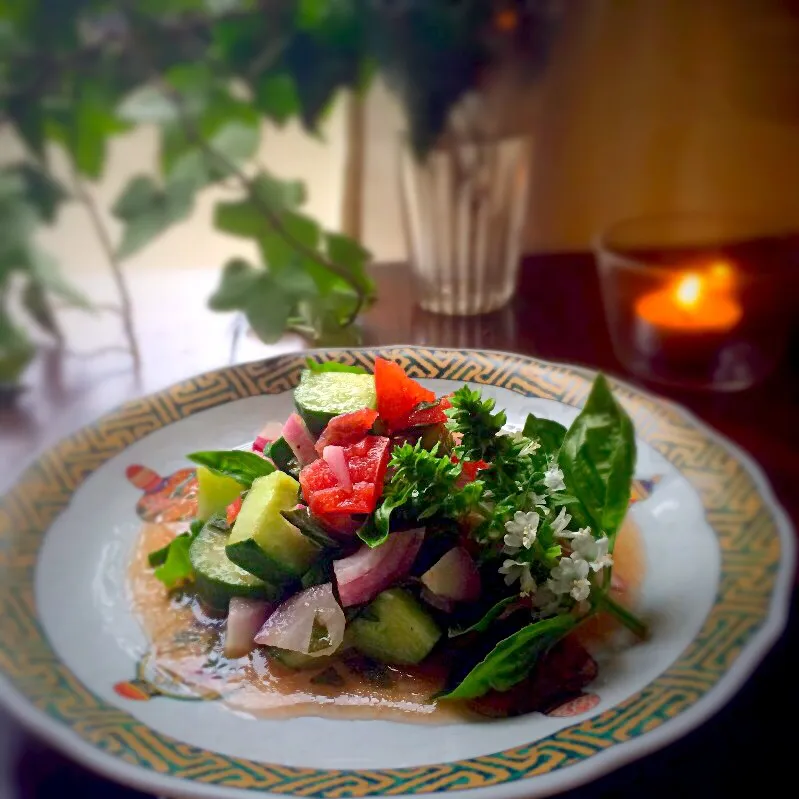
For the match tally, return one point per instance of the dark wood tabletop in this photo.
(555, 315)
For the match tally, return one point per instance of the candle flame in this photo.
(688, 291)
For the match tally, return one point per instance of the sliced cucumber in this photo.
(216, 578)
(214, 492)
(394, 629)
(322, 395)
(262, 542)
(297, 660)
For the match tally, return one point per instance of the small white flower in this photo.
(546, 601)
(570, 576)
(594, 550)
(515, 570)
(553, 479)
(522, 530)
(539, 500)
(527, 583)
(560, 523)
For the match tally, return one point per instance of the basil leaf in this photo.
(283, 457)
(597, 458)
(302, 519)
(176, 569)
(546, 431)
(482, 624)
(376, 529)
(242, 466)
(159, 557)
(334, 366)
(511, 660)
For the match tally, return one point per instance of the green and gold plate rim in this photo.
(754, 534)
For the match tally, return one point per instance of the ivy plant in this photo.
(206, 74)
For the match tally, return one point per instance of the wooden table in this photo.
(555, 315)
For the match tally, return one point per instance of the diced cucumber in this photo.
(216, 578)
(297, 660)
(395, 629)
(214, 492)
(322, 395)
(262, 541)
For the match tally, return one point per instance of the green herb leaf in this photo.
(511, 660)
(334, 366)
(598, 459)
(176, 569)
(548, 432)
(483, 623)
(244, 467)
(376, 529)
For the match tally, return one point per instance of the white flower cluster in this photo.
(570, 575)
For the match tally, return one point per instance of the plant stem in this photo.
(125, 303)
(621, 614)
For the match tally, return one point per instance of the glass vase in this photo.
(464, 208)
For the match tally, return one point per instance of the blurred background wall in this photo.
(647, 105)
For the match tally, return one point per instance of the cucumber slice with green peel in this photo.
(322, 395)
(394, 629)
(297, 660)
(215, 492)
(264, 543)
(216, 578)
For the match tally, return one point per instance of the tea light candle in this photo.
(689, 322)
(693, 303)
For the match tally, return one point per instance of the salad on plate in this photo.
(415, 535)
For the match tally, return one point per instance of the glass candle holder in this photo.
(692, 302)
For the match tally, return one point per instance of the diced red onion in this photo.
(454, 577)
(299, 439)
(245, 618)
(363, 575)
(270, 432)
(291, 625)
(334, 457)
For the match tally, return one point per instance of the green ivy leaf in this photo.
(310, 13)
(92, 123)
(276, 97)
(36, 303)
(246, 219)
(16, 351)
(238, 280)
(352, 257)
(26, 114)
(267, 309)
(46, 272)
(147, 104)
(149, 210)
(140, 193)
(43, 192)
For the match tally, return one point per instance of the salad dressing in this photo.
(187, 657)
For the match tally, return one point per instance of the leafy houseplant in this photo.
(206, 73)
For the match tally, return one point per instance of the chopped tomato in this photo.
(367, 461)
(333, 501)
(397, 394)
(232, 511)
(470, 469)
(348, 428)
(425, 416)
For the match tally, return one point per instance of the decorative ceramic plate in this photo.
(74, 659)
